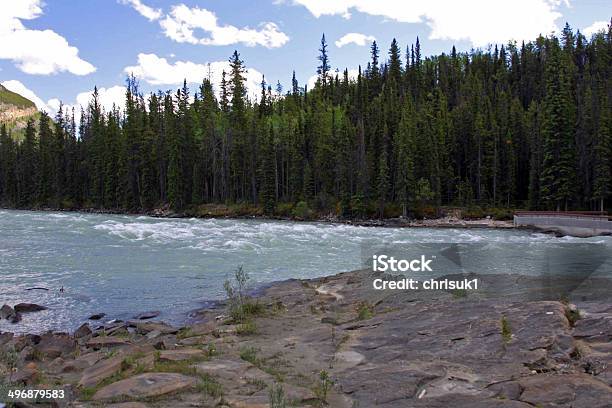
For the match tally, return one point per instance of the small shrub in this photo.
(236, 294)
(501, 214)
(302, 211)
(277, 397)
(323, 386)
(365, 311)
(244, 210)
(211, 350)
(459, 293)
(473, 213)
(247, 328)
(209, 386)
(184, 333)
(87, 393)
(572, 315)
(358, 207)
(392, 210)
(284, 209)
(9, 358)
(249, 354)
(506, 330)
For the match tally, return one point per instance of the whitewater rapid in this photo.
(122, 265)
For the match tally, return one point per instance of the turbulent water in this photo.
(122, 265)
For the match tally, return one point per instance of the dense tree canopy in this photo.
(516, 126)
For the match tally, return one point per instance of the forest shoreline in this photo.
(398, 222)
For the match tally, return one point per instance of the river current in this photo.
(123, 265)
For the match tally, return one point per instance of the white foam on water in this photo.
(121, 264)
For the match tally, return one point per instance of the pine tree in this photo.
(558, 172)
(324, 67)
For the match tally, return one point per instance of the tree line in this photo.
(524, 126)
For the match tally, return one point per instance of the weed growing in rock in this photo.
(572, 315)
(459, 293)
(208, 385)
(269, 365)
(241, 308)
(236, 294)
(277, 396)
(185, 333)
(323, 386)
(211, 350)
(257, 383)
(9, 358)
(87, 393)
(247, 328)
(506, 331)
(365, 311)
(249, 354)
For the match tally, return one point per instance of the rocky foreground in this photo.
(335, 342)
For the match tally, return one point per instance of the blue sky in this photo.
(58, 49)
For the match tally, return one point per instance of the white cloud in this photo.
(478, 21)
(107, 97)
(158, 71)
(182, 21)
(355, 38)
(596, 27)
(40, 52)
(149, 13)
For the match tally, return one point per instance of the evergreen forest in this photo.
(515, 126)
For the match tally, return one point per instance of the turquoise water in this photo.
(122, 265)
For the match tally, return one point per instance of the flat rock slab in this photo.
(101, 371)
(147, 327)
(348, 359)
(574, 390)
(145, 386)
(230, 369)
(199, 329)
(101, 342)
(55, 345)
(181, 354)
(194, 341)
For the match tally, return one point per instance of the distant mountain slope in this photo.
(11, 98)
(15, 111)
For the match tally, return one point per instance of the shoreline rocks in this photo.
(13, 314)
(8, 313)
(28, 308)
(335, 341)
(448, 221)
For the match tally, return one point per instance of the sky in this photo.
(57, 50)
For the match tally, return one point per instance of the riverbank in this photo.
(452, 220)
(335, 341)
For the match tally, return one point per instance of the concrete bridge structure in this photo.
(574, 223)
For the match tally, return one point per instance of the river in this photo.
(123, 265)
